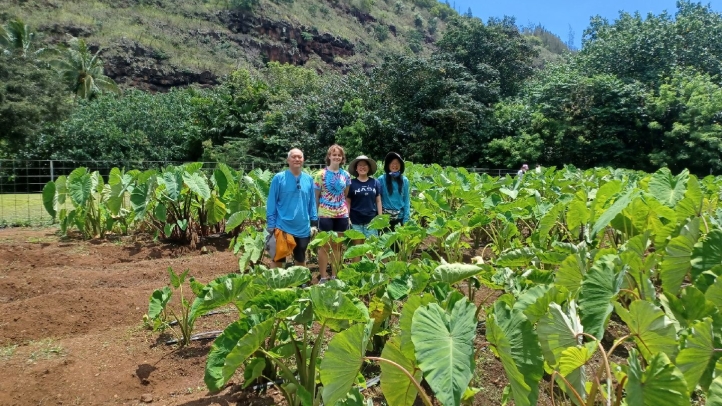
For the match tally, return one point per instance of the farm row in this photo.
(569, 251)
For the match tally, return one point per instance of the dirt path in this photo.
(71, 330)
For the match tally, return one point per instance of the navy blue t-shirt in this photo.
(363, 200)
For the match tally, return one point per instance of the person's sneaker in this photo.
(322, 281)
(333, 276)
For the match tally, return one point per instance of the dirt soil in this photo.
(71, 329)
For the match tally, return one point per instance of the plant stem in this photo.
(424, 397)
(605, 358)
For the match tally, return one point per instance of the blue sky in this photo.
(557, 15)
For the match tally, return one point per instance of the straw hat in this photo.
(371, 163)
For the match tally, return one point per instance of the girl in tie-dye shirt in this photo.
(331, 185)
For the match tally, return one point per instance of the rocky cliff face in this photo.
(261, 40)
(280, 41)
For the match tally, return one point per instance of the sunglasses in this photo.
(298, 184)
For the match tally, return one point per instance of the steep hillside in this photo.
(158, 44)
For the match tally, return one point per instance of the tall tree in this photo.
(82, 71)
(494, 53)
(32, 101)
(16, 38)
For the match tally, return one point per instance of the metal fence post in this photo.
(52, 171)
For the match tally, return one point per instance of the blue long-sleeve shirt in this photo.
(395, 200)
(291, 204)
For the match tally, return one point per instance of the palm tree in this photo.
(83, 71)
(16, 38)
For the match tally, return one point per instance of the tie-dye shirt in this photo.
(332, 186)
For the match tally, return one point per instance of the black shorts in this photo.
(337, 224)
(299, 252)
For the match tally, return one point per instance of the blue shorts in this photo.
(363, 228)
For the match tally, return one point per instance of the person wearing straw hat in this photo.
(364, 195)
(395, 195)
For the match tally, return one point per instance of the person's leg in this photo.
(340, 225)
(299, 252)
(324, 224)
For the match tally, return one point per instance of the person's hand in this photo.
(314, 231)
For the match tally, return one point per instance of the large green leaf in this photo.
(407, 315)
(158, 300)
(707, 253)
(249, 342)
(652, 330)
(173, 181)
(547, 223)
(222, 346)
(660, 384)
(517, 258)
(677, 261)
(453, 273)
(558, 331)
(668, 189)
(607, 216)
(571, 272)
(330, 304)
(577, 214)
(698, 357)
(232, 288)
(278, 278)
(691, 205)
(50, 199)
(445, 348)
(690, 306)
(80, 186)
(599, 286)
(236, 219)
(216, 210)
(274, 299)
(714, 293)
(198, 184)
(398, 389)
(516, 343)
(535, 302)
(714, 396)
(342, 362)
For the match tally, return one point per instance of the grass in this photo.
(23, 209)
(178, 30)
(7, 351)
(45, 349)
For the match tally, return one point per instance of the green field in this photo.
(23, 209)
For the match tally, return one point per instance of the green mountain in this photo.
(159, 44)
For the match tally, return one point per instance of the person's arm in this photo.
(271, 209)
(407, 201)
(312, 207)
(379, 205)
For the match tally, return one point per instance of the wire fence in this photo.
(22, 182)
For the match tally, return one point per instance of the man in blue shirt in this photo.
(291, 208)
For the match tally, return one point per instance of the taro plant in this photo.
(181, 204)
(435, 343)
(87, 212)
(273, 336)
(159, 312)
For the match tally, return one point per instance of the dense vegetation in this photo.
(607, 284)
(643, 92)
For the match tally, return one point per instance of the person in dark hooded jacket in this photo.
(395, 195)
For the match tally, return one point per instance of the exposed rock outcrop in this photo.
(132, 64)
